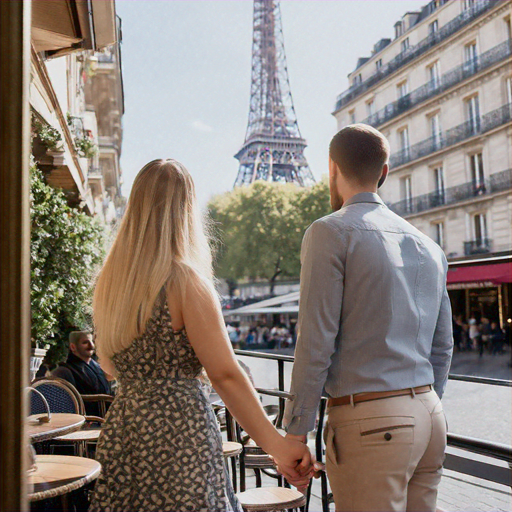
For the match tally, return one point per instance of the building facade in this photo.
(441, 92)
(77, 103)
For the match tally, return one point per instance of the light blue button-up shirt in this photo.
(374, 313)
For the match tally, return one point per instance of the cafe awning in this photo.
(64, 26)
(478, 276)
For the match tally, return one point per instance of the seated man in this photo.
(81, 370)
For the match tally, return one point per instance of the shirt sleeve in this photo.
(442, 344)
(321, 295)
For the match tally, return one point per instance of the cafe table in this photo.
(59, 425)
(58, 475)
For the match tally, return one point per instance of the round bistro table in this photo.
(57, 475)
(59, 424)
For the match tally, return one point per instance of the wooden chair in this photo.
(63, 397)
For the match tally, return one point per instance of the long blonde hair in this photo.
(160, 240)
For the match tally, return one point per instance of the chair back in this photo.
(62, 397)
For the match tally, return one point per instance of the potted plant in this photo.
(86, 146)
(46, 143)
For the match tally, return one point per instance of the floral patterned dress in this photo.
(160, 446)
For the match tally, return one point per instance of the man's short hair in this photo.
(360, 152)
(76, 336)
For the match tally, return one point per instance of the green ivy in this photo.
(66, 247)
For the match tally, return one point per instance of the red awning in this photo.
(496, 273)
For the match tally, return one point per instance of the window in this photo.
(477, 173)
(435, 131)
(473, 113)
(508, 87)
(402, 89)
(403, 140)
(470, 57)
(357, 79)
(406, 192)
(404, 45)
(434, 75)
(468, 4)
(398, 29)
(438, 198)
(439, 233)
(378, 63)
(508, 28)
(433, 27)
(480, 229)
(370, 108)
(352, 116)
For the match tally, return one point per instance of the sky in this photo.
(187, 70)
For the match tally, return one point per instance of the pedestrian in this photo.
(475, 336)
(158, 321)
(457, 333)
(375, 331)
(497, 338)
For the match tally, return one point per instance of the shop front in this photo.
(481, 289)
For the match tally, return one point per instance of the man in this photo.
(374, 329)
(81, 370)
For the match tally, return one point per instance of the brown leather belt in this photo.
(378, 395)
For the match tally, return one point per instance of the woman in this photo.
(158, 322)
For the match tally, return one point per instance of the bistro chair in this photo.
(62, 397)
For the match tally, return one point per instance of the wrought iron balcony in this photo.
(496, 182)
(415, 51)
(476, 126)
(435, 87)
(480, 246)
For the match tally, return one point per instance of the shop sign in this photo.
(467, 286)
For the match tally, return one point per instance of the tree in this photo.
(66, 247)
(261, 229)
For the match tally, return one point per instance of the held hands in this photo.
(295, 462)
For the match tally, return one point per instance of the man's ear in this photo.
(72, 348)
(383, 176)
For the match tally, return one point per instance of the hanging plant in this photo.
(86, 146)
(49, 136)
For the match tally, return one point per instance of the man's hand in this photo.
(297, 467)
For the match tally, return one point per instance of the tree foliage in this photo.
(66, 247)
(261, 228)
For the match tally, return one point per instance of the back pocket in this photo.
(387, 430)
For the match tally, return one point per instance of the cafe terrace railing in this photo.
(471, 128)
(466, 465)
(443, 83)
(497, 182)
(415, 51)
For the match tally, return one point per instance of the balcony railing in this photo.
(415, 51)
(476, 126)
(481, 246)
(496, 182)
(435, 87)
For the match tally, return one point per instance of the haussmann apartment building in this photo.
(441, 92)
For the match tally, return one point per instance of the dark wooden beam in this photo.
(14, 250)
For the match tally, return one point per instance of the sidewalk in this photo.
(494, 367)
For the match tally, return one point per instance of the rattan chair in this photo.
(62, 397)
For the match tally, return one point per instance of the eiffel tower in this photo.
(274, 148)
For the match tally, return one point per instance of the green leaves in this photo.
(261, 228)
(66, 246)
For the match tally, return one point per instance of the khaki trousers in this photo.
(386, 455)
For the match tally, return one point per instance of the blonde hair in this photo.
(161, 239)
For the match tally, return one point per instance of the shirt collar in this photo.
(364, 197)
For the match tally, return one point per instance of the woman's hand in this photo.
(294, 461)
